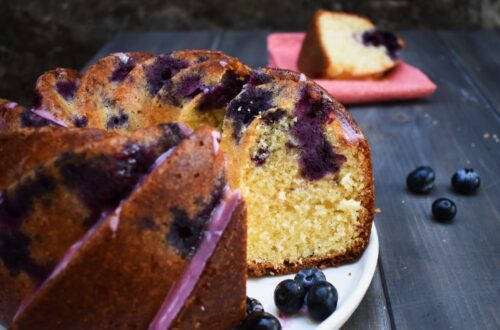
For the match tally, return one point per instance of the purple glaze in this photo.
(66, 89)
(387, 39)
(161, 70)
(190, 276)
(49, 116)
(317, 156)
(11, 105)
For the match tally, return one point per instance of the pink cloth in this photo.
(402, 83)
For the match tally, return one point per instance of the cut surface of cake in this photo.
(346, 46)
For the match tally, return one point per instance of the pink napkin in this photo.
(402, 83)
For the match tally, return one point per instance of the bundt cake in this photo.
(345, 46)
(144, 202)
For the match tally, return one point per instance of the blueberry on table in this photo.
(421, 180)
(444, 210)
(254, 306)
(289, 296)
(321, 300)
(465, 181)
(261, 321)
(307, 277)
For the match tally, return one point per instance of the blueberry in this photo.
(465, 181)
(309, 276)
(260, 321)
(321, 300)
(254, 306)
(444, 210)
(289, 296)
(421, 180)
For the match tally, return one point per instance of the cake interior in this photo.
(341, 37)
(292, 217)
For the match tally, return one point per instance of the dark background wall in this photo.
(38, 35)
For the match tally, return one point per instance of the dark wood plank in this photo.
(479, 54)
(437, 276)
(372, 313)
(157, 42)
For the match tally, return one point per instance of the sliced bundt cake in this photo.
(169, 256)
(346, 46)
(52, 206)
(301, 162)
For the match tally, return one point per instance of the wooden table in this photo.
(430, 275)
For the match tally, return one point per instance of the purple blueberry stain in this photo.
(218, 96)
(272, 117)
(387, 39)
(37, 99)
(317, 156)
(80, 122)
(185, 232)
(162, 70)
(66, 89)
(189, 85)
(122, 70)
(258, 77)
(16, 205)
(246, 106)
(117, 121)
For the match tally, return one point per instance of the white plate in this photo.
(351, 282)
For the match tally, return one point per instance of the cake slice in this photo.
(48, 209)
(171, 256)
(346, 46)
(304, 169)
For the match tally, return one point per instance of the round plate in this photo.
(351, 281)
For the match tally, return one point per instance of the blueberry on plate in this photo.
(321, 300)
(254, 306)
(307, 277)
(465, 181)
(260, 321)
(421, 180)
(444, 209)
(289, 296)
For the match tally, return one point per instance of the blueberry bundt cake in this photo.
(346, 46)
(120, 200)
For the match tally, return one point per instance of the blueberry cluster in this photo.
(257, 318)
(465, 181)
(309, 287)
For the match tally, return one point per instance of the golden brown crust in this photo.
(218, 300)
(24, 149)
(312, 58)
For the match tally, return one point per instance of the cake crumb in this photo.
(486, 135)
(202, 308)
